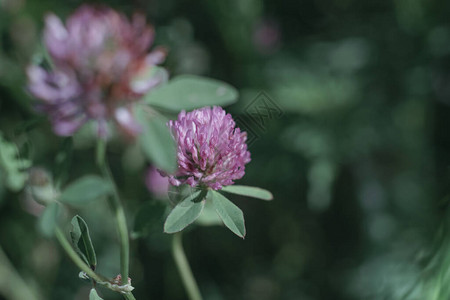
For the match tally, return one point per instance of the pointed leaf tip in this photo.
(81, 241)
(231, 215)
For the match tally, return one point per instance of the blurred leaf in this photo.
(209, 216)
(93, 295)
(48, 220)
(248, 191)
(12, 166)
(148, 78)
(85, 190)
(156, 141)
(185, 213)
(149, 218)
(187, 92)
(230, 214)
(81, 241)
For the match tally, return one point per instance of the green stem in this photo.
(119, 212)
(80, 263)
(184, 269)
(12, 285)
(75, 257)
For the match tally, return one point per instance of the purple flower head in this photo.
(101, 68)
(211, 152)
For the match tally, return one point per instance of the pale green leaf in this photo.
(185, 213)
(81, 241)
(209, 216)
(49, 219)
(230, 214)
(187, 92)
(248, 191)
(85, 190)
(93, 295)
(156, 141)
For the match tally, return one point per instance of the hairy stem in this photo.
(119, 212)
(184, 269)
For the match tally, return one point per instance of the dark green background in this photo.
(358, 162)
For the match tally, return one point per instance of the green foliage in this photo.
(209, 216)
(152, 73)
(93, 295)
(12, 166)
(187, 92)
(249, 191)
(149, 218)
(81, 241)
(230, 214)
(85, 190)
(49, 220)
(186, 212)
(156, 140)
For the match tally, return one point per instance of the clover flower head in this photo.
(101, 68)
(211, 151)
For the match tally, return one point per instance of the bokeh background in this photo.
(358, 160)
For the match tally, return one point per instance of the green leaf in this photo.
(230, 214)
(209, 216)
(189, 92)
(156, 141)
(85, 190)
(248, 191)
(49, 219)
(185, 213)
(94, 296)
(81, 241)
(149, 219)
